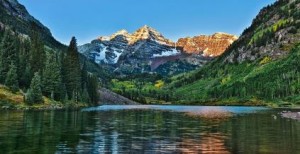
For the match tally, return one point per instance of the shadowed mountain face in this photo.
(146, 49)
(15, 16)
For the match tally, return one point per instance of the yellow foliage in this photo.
(226, 80)
(7, 95)
(159, 84)
(265, 60)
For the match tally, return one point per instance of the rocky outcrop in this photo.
(108, 97)
(273, 33)
(209, 46)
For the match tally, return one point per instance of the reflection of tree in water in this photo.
(144, 132)
(40, 131)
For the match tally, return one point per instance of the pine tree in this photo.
(92, 88)
(8, 54)
(24, 73)
(37, 54)
(11, 80)
(84, 75)
(52, 79)
(85, 96)
(34, 94)
(72, 72)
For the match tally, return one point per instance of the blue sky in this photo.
(88, 19)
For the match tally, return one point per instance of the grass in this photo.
(10, 100)
(7, 96)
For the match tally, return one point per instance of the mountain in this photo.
(212, 46)
(147, 50)
(15, 15)
(261, 66)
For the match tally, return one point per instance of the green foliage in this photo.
(11, 80)
(52, 79)
(34, 94)
(265, 80)
(264, 34)
(24, 71)
(225, 80)
(37, 54)
(30, 47)
(144, 88)
(72, 71)
(92, 89)
(8, 54)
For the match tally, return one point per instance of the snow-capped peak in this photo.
(122, 32)
(143, 33)
(147, 32)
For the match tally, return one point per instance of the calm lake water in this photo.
(148, 129)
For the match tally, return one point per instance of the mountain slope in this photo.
(263, 64)
(129, 53)
(209, 46)
(16, 16)
(28, 48)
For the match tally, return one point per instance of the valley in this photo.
(189, 81)
(260, 67)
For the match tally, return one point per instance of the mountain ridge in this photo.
(146, 49)
(15, 15)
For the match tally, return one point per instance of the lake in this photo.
(148, 129)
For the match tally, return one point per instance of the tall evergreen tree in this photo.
(34, 94)
(84, 76)
(37, 54)
(72, 72)
(24, 65)
(12, 78)
(52, 79)
(8, 54)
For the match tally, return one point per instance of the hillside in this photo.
(37, 68)
(15, 15)
(263, 64)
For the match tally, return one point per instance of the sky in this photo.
(89, 19)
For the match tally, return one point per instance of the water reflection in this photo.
(145, 131)
(209, 143)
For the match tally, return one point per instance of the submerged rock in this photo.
(290, 115)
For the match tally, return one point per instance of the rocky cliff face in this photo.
(146, 49)
(272, 34)
(209, 46)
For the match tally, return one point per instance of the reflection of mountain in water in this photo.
(209, 143)
(146, 131)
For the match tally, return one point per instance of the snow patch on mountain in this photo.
(172, 52)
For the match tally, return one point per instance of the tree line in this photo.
(27, 64)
